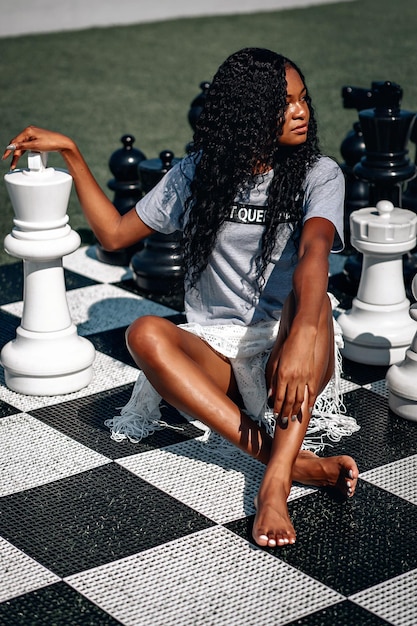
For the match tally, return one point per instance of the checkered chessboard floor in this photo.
(102, 533)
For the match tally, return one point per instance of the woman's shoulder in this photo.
(182, 171)
(324, 166)
(177, 179)
(186, 167)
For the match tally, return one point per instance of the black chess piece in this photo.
(158, 267)
(127, 187)
(194, 112)
(385, 165)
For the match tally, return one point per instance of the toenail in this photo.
(350, 473)
(284, 420)
(349, 484)
(293, 418)
(263, 537)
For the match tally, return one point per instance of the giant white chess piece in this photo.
(47, 357)
(377, 330)
(402, 377)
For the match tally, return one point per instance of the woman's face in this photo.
(297, 113)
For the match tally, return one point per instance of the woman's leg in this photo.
(195, 379)
(191, 376)
(272, 525)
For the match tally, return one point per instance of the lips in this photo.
(300, 130)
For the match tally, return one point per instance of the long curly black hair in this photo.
(237, 130)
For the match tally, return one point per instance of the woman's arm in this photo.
(114, 231)
(294, 361)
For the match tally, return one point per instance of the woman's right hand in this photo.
(114, 231)
(37, 140)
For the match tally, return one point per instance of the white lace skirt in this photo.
(248, 349)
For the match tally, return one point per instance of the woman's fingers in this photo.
(16, 146)
(289, 401)
(16, 156)
(17, 153)
(36, 139)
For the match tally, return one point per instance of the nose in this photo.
(300, 109)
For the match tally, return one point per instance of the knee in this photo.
(143, 335)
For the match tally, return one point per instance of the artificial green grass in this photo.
(96, 85)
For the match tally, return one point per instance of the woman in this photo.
(260, 210)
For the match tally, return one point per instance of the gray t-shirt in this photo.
(227, 289)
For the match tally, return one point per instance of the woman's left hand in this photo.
(292, 377)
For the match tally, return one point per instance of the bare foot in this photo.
(272, 525)
(340, 472)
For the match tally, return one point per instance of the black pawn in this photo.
(126, 184)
